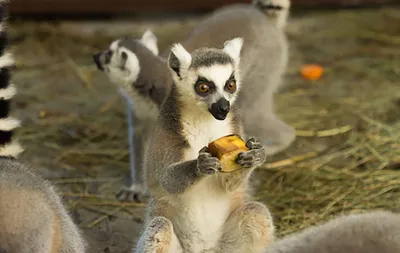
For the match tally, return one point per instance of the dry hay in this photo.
(346, 158)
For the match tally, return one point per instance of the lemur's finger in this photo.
(204, 150)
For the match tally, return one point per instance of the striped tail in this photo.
(8, 147)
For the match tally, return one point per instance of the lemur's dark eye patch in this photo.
(203, 87)
(230, 85)
(124, 56)
(107, 57)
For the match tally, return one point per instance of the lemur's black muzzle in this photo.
(97, 60)
(220, 109)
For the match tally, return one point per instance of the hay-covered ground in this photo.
(346, 158)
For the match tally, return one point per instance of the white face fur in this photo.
(123, 67)
(211, 83)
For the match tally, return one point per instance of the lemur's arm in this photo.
(177, 177)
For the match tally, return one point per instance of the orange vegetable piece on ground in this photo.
(312, 71)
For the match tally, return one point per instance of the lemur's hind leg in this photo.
(248, 229)
(278, 10)
(158, 237)
(136, 191)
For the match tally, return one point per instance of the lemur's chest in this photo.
(198, 132)
(206, 206)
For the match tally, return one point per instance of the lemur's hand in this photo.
(206, 163)
(254, 157)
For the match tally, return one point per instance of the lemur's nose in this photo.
(223, 106)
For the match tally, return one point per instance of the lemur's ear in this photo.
(233, 48)
(149, 39)
(179, 59)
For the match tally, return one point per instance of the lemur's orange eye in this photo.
(202, 88)
(231, 86)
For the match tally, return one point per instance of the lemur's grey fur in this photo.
(264, 59)
(32, 216)
(193, 206)
(372, 232)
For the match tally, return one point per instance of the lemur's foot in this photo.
(206, 163)
(254, 157)
(133, 193)
(158, 237)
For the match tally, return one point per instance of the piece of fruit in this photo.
(312, 71)
(226, 149)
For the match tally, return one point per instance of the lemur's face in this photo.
(215, 87)
(209, 77)
(121, 61)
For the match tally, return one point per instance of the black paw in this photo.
(206, 163)
(134, 193)
(254, 157)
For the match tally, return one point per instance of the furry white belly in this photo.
(205, 206)
(205, 214)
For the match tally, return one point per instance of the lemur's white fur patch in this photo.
(183, 56)
(11, 150)
(233, 48)
(8, 92)
(8, 124)
(149, 40)
(6, 60)
(285, 4)
(114, 45)
(125, 77)
(280, 16)
(199, 128)
(218, 74)
(129, 73)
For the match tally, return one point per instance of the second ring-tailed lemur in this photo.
(193, 206)
(372, 232)
(136, 66)
(32, 216)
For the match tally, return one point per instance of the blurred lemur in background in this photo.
(371, 232)
(32, 216)
(143, 77)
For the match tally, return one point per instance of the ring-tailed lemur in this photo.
(277, 10)
(32, 216)
(194, 207)
(136, 66)
(372, 232)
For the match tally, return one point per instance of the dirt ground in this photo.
(346, 157)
